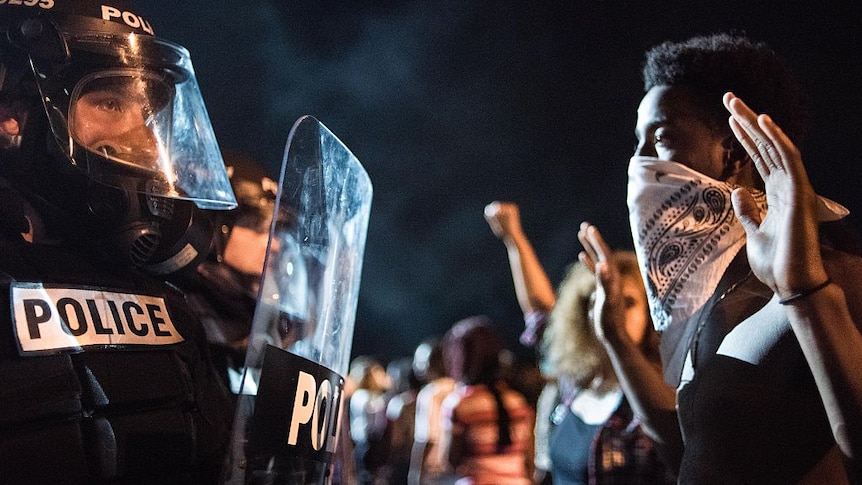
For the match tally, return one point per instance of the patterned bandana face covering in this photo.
(686, 234)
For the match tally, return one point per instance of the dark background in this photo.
(451, 104)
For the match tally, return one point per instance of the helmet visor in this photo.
(134, 101)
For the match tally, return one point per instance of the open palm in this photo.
(783, 248)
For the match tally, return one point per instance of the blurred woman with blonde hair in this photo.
(585, 430)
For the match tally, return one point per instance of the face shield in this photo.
(125, 107)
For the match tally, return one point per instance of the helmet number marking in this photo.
(46, 4)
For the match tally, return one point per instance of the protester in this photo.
(427, 465)
(486, 427)
(400, 420)
(367, 408)
(760, 322)
(585, 429)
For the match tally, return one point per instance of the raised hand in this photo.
(783, 248)
(608, 312)
(504, 218)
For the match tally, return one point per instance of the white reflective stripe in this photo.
(55, 318)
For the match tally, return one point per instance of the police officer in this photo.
(107, 157)
(223, 290)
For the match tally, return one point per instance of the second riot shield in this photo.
(290, 403)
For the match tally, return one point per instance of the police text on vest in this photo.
(62, 318)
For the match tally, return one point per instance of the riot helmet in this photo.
(119, 138)
(243, 236)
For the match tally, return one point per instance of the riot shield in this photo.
(290, 400)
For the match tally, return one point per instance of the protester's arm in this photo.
(532, 286)
(548, 400)
(784, 253)
(652, 400)
(417, 457)
(452, 447)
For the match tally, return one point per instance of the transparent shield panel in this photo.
(305, 314)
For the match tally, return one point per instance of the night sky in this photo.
(452, 104)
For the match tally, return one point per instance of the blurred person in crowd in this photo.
(426, 464)
(367, 407)
(401, 419)
(486, 426)
(585, 429)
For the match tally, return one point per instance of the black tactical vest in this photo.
(136, 401)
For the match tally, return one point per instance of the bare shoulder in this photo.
(846, 271)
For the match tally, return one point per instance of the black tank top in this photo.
(749, 423)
